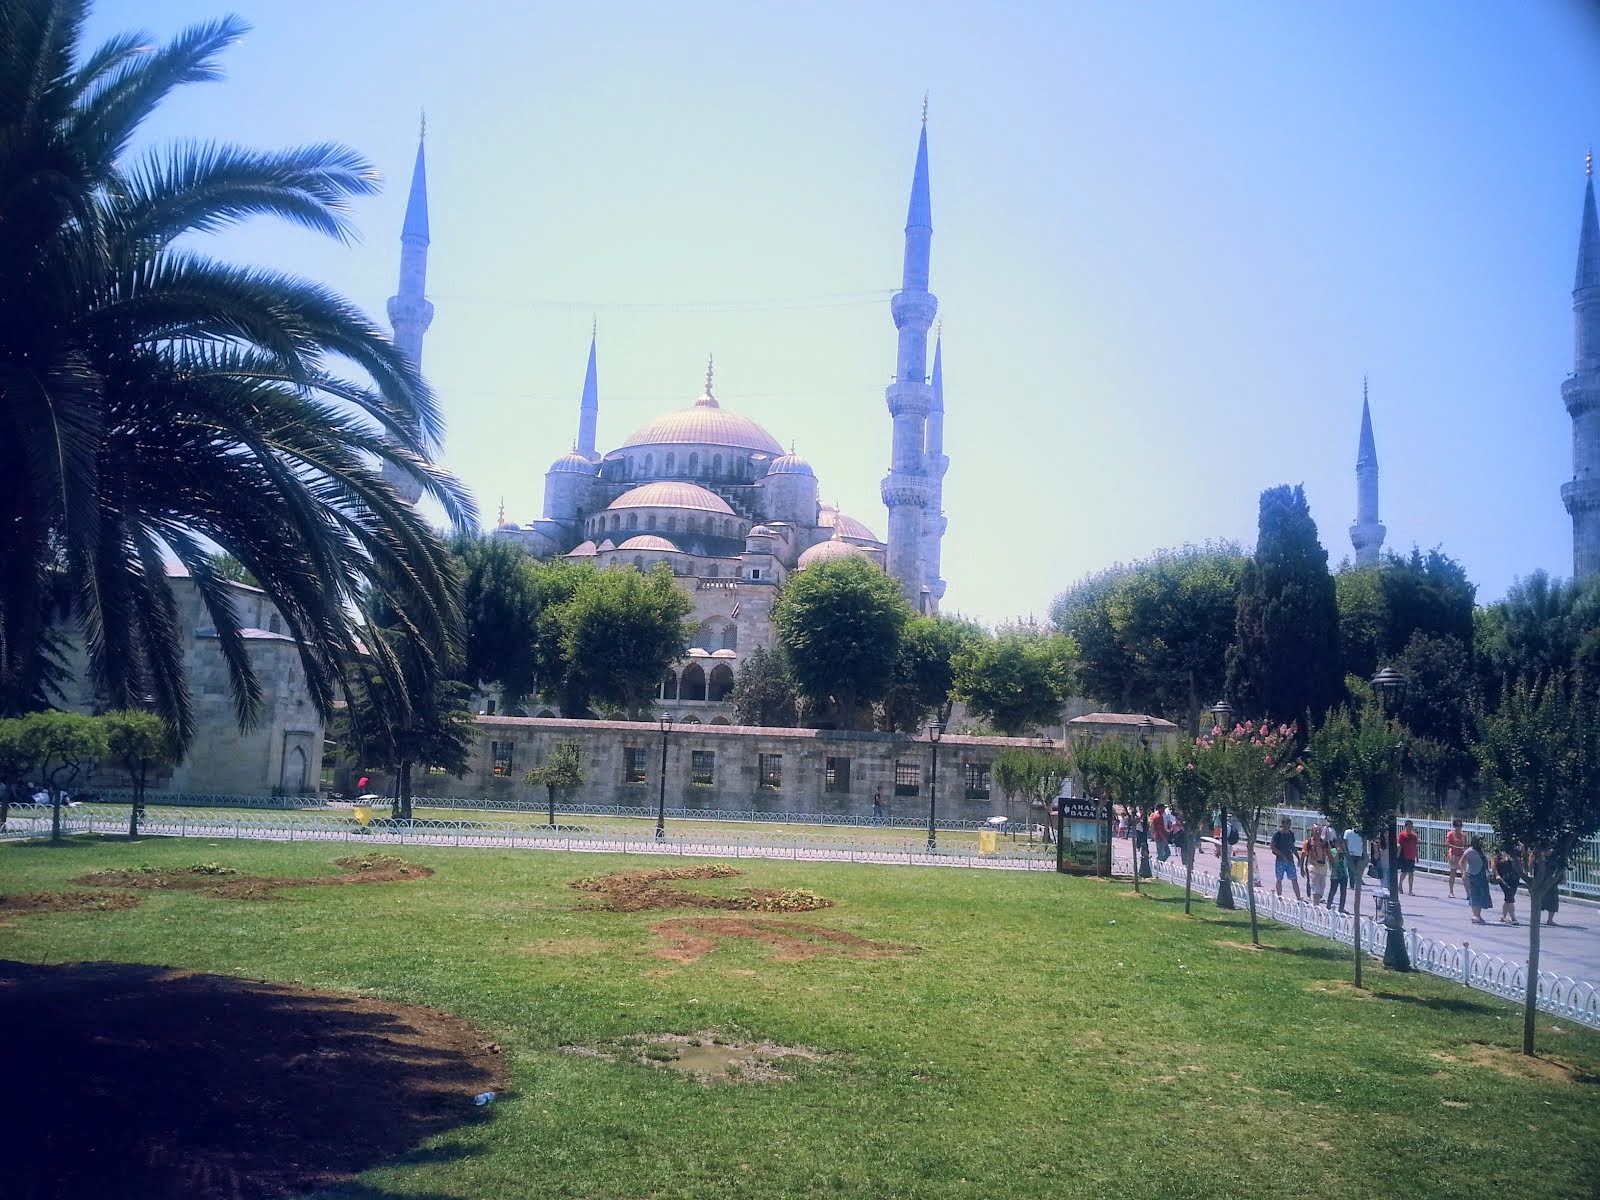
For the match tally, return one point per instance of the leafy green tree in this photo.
(140, 742)
(16, 764)
(1154, 636)
(1247, 768)
(61, 746)
(1189, 793)
(561, 771)
(840, 625)
(1542, 627)
(159, 404)
(1286, 657)
(620, 631)
(764, 693)
(1354, 761)
(1436, 767)
(1132, 776)
(1018, 679)
(500, 612)
(552, 585)
(230, 568)
(1363, 619)
(924, 671)
(1539, 758)
(1428, 594)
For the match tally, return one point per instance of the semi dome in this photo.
(790, 464)
(574, 462)
(761, 531)
(835, 548)
(705, 423)
(845, 526)
(672, 495)
(647, 541)
(582, 550)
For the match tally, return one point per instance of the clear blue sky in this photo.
(1169, 239)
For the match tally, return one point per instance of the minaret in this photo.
(935, 464)
(1366, 535)
(410, 314)
(908, 489)
(589, 409)
(1581, 392)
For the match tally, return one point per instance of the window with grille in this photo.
(836, 774)
(702, 767)
(500, 754)
(977, 780)
(632, 765)
(907, 778)
(771, 769)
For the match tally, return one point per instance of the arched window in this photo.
(730, 637)
(694, 683)
(694, 462)
(721, 721)
(716, 464)
(668, 688)
(691, 720)
(649, 463)
(616, 521)
(638, 561)
(727, 528)
(672, 524)
(713, 570)
(672, 463)
(650, 522)
(720, 683)
(633, 520)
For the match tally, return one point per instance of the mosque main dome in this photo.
(705, 423)
(668, 494)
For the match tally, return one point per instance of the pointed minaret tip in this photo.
(920, 213)
(1367, 451)
(1588, 275)
(416, 223)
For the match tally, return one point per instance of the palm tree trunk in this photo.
(405, 789)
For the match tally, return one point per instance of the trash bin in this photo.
(1240, 871)
(988, 841)
(363, 814)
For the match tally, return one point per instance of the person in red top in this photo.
(1407, 841)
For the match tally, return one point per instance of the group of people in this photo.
(1162, 827)
(1466, 856)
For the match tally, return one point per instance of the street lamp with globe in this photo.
(1390, 685)
(1146, 728)
(661, 805)
(1222, 719)
(935, 732)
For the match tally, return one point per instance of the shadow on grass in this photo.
(71, 841)
(148, 1083)
(1449, 1004)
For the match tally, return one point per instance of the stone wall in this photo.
(736, 768)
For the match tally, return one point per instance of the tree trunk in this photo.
(136, 809)
(55, 814)
(551, 789)
(1530, 996)
(1188, 868)
(1355, 887)
(1250, 886)
(405, 789)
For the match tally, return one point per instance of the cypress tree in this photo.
(1285, 660)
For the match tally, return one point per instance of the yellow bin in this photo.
(1241, 871)
(988, 841)
(363, 814)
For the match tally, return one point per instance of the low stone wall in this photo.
(735, 768)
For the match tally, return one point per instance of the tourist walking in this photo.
(1455, 845)
(1475, 873)
(1158, 830)
(1338, 873)
(1314, 860)
(1508, 874)
(1283, 854)
(1551, 904)
(1407, 841)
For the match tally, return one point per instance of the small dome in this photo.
(836, 547)
(572, 463)
(647, 541)
(608, 544)
(761, 531)
(790, 464)
(672, 495)
(582, 550)
(849, 527)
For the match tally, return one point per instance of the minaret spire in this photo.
(1367, 533)
(909, 488)
(1581, 391)
(589, 407)
(410, 313)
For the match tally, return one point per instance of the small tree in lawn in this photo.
(139, 743)
(1539, 759)
(1132, 774)
(1010, 775)
(1189, 793)
(1354, 764)
(561, 770)
(1046, 771)
(61, 746)
(1247, 768)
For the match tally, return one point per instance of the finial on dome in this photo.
(594, 326)
(422, 129)
(1588, 163)
(924, 108)
(710, 369)
(501, 519)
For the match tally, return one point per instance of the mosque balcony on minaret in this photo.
(1581, 392)
(906, 491)
(412, 309)
(909, 397)
(914, 308)
(1581, 495)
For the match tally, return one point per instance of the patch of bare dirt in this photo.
(1339, 987)
(208, 1087)
(691, 939)
(25, 903)
(1232, 945)
(1454, 1104)
(226, 883)
(706, 1057)
(1528, 1066)
(639, 891)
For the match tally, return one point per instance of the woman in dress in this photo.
(1508, 874)
(1455, 845)
(1475, 870)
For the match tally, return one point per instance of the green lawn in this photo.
(1053, 1036)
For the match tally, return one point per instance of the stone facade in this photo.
(734, 768)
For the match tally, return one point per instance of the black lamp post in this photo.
(935, 732)
(661, 805)
(1146, 728)
(1049, 822)
(1390, 683)
(1222, 715)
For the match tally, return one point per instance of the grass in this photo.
(1053, 1037)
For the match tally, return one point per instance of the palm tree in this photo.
(157, 405)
